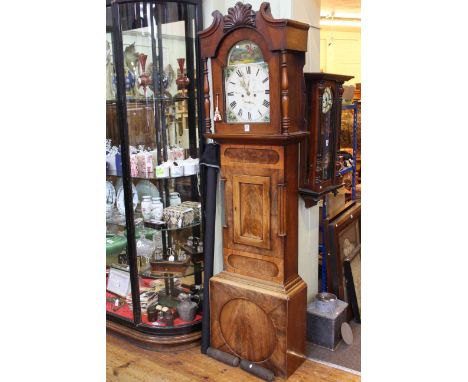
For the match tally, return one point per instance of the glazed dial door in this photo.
(246, 85)
(327, 100)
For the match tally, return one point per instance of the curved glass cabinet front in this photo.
(154, 254)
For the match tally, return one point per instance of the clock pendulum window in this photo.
(258, 303)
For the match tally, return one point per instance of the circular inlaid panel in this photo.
(247, 330)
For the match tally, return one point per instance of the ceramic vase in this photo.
(182, 81)
(146, 207)
(174, 199)
(157, 208)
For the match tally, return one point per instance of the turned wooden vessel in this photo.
(258, 303)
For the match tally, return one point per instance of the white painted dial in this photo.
(247, 93)
(327, 100)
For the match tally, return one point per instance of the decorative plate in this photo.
(110, 193)
(145, 187)
(121, 201)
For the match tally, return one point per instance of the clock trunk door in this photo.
(251, 200)
(253, 203)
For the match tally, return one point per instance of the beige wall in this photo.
(340, 52)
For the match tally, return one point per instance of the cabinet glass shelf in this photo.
(154, 225)
(188, 270)
(150, 177)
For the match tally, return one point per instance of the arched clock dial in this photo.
(327, 100)
(248, 93)
(246, 85)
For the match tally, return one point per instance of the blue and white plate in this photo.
(145, 187)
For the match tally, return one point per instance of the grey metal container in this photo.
(325, 314)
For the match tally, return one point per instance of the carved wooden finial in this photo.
(239, 15)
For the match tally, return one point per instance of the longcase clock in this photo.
(258, 303)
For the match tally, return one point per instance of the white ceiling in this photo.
(341, 8)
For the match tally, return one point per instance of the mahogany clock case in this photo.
(318, 172)
(260, 286)
(258, 303)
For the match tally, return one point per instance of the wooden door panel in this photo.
(251, 201)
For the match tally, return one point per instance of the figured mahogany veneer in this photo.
(251, 199)
(260, 212)
(264, 323)
(246, 155)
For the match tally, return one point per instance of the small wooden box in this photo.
(169, 266)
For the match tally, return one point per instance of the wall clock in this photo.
(258, 303)
(318, 168)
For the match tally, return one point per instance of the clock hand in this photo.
(242, 82)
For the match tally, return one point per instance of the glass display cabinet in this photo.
(154, 254)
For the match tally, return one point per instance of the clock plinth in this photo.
(258, 303)
(264, 323)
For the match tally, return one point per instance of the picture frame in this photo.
(343, 237)
(118, 282)
(352, 273)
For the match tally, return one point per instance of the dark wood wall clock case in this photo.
(258, 303)
(318, 169)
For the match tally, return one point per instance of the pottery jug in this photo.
(146, 207)
(186, 308)
(174, 199)
(156, 208)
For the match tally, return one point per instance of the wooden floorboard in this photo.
(128, 363)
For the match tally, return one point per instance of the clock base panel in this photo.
(264, 323)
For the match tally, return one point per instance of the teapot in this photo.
(186, 308)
